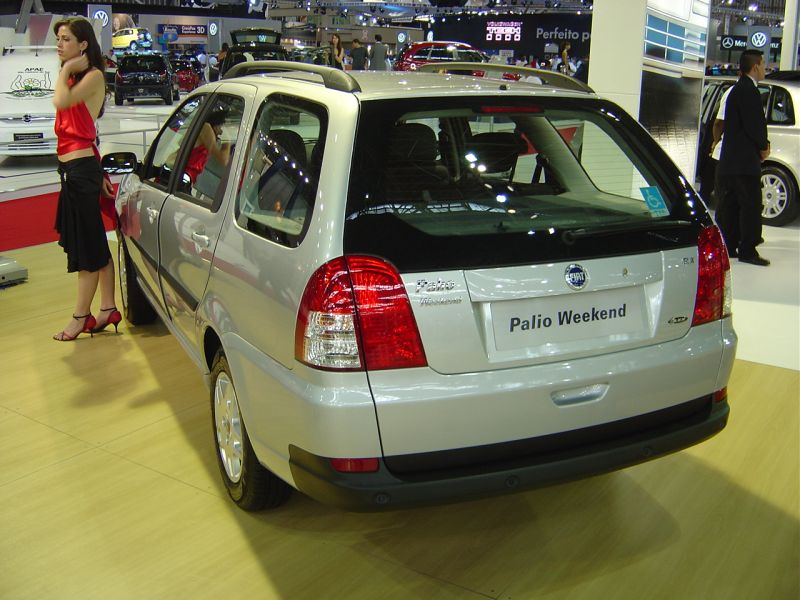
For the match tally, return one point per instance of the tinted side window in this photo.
(781, 110)
(440, 54)
(161, 159)
(204, 169)
(280, 177)
(421, 54)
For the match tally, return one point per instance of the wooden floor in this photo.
(109, 489)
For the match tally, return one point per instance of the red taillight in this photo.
(355, 314)
(720, 395)
(713, 299)
(355, 465)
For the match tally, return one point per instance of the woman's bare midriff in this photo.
(83, 152)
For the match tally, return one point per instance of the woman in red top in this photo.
(79, 97)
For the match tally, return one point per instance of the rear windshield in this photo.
(141, 63)
(470, 182)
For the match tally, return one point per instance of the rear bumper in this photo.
(144, 90)
(385, 489)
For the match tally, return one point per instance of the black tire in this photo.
(176, 94)
(135, 306)
(251, 486)
(167, 96)
(133, 46)
(118, 99)
(778, 195)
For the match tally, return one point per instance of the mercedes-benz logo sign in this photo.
(727, 43)
(101, 16)
(212, 28)
(759, 39)
(576, 276)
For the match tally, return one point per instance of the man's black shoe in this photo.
(757, 260)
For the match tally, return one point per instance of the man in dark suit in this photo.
(744, 147)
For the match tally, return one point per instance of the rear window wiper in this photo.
(571, 235)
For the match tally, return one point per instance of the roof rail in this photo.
(334, 79)
(551, 78)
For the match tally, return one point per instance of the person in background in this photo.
(377, 55)
(79, 96)
(582, 72)
(337, 52)
(563, 54)
(744, 146)
(359, 55)
(222, 53)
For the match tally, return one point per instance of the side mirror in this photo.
(117, 163)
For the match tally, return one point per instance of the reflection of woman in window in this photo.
(208, 144)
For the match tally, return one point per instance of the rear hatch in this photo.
(142, 70)
(527, 232)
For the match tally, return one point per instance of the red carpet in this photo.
(29, 221)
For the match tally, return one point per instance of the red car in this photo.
(188, 78)
(420, 53)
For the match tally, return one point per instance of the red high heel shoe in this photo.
(89, 323)
(113, 319)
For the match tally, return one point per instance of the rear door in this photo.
(192, 216)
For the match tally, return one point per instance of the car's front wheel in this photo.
(135, 306)
(779, 196)
(134, 46)
(250, 485)
(118, 99)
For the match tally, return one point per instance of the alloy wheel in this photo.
(228, 425)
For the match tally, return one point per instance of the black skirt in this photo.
(78, 221)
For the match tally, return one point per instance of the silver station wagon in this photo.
(407, 288)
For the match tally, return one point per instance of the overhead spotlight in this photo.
(753, 7)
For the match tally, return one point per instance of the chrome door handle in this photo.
(200, 239)
(152, 215)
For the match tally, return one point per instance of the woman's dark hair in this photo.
(217, 116)
(84, 32)
(338, 45)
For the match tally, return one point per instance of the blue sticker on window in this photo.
(655, 202)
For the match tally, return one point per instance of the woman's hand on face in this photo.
(76, 65)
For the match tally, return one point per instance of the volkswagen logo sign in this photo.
(576, 277)
(101, 16)
(27, 118)
(758, 39)
(727, 42)
(212, 28)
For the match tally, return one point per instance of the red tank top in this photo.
(74, 128)
(196, 162)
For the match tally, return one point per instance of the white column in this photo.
(789, 42)
(615, 56)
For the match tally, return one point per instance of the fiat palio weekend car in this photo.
(430, 287)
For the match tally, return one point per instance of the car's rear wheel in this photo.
(779, 196)
(135, 307)
(134, 46)
(167, 96)
(118, 99)
(249, 484)
(176, 94)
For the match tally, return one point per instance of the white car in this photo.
(416, 287)
(780, 173)
(27, 77)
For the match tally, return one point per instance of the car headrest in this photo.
(291, 142)
(413, 141)
(498, 150)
